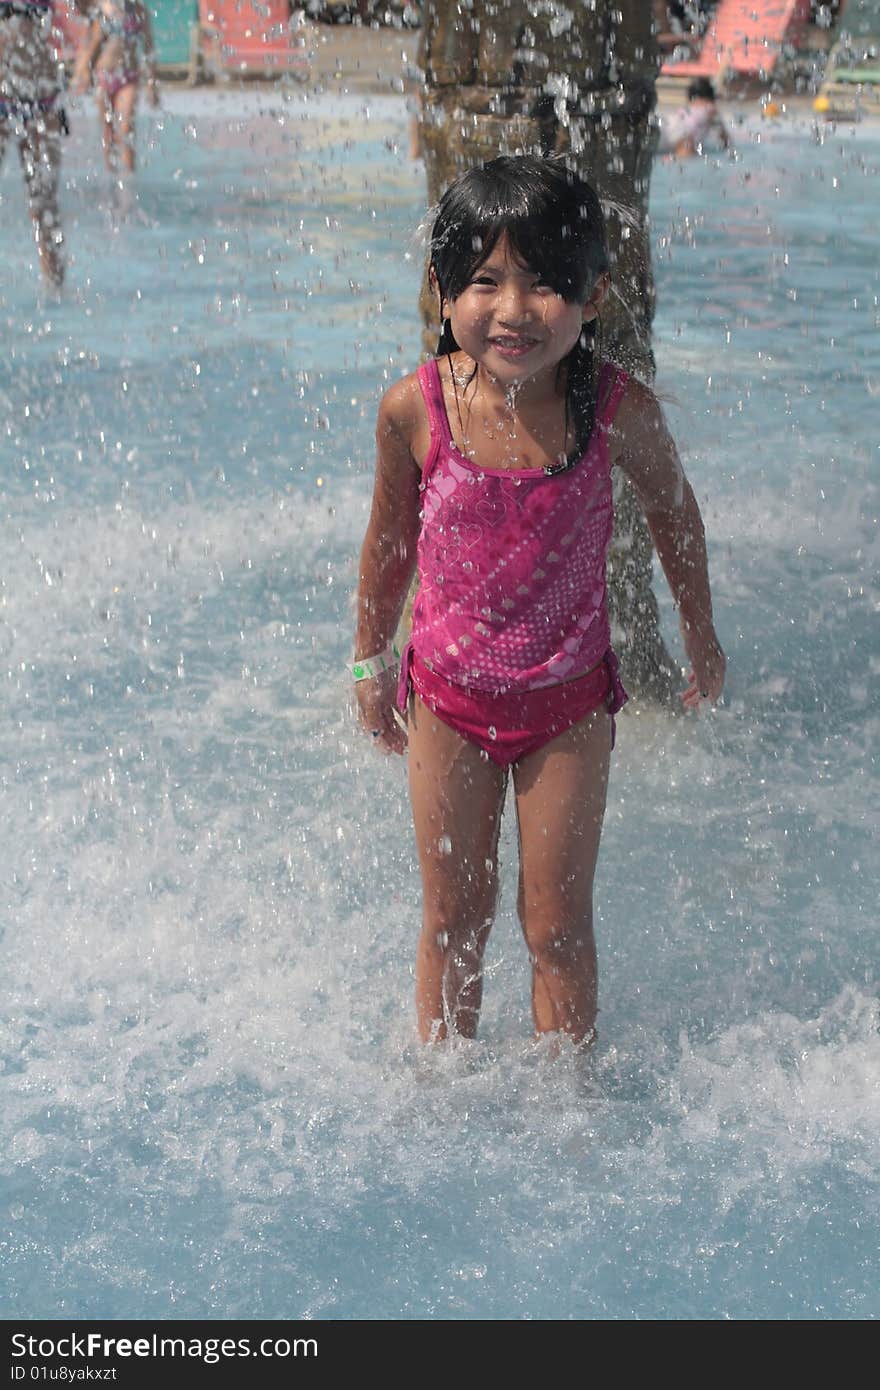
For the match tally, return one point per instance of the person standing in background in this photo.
(33, 118)
(119, 41)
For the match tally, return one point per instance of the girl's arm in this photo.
(149, 55)
(388, 558)
(647, 454)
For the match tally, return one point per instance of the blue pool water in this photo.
(214, 1102)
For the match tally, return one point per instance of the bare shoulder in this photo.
(638, 403)
(403, 420)
(401, 408)
(638, 423)
(643, 448)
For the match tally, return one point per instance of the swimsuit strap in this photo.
(611, 386)
(432, 394)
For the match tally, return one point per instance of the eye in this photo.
(481, 278)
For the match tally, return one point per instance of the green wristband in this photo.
(370, 666)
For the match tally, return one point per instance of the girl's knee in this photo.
(558, 940)
(456, 933)
(554, 901)
(457, 889)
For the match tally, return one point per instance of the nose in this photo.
(513, 305)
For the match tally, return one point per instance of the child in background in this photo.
(32, 118)
(690, 129)
(119, 33)
(494, 475)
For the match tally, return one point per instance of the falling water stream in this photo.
(213, 1098)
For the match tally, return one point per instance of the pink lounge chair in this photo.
(251, 36)
(744, 38)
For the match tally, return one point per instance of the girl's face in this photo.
(513, 324)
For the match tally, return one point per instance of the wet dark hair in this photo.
(554, 223)
(702, 88)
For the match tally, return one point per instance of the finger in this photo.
(695, 696)
(710, 684)
(397, 733)
(379, 727)
(692, 697)
(387, 736)
(391, 742)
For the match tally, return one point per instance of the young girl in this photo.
(119, 30)
(494, 472)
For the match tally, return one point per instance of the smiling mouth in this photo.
(509, 346)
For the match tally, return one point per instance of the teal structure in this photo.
(173, 21)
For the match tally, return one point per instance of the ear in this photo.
(594, 303)
(435, 288)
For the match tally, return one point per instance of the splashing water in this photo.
(214, 1101)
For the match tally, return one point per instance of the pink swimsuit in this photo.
(114, 79)
(511, 643)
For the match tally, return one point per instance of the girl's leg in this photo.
(40, 151)
(108, 138)
(457, 798)
(560, 802)
(123, 105)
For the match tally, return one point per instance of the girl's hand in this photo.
(708, 663)
(377, 703)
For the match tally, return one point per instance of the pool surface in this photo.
(214, 1101)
